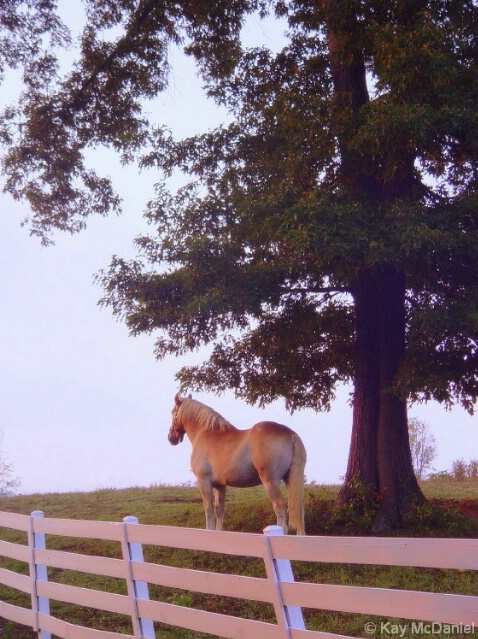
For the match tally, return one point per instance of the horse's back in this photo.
(272, 434)
(272, 429)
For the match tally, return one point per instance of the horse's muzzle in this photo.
(175, 438)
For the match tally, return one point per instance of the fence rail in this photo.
(278, 588)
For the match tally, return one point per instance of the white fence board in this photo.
(91, 564)
(406, 604)
(17, 614)
(105, 530)
(15, 580)
(296, 633)
(15, 551)
(15, 521)
(210, 622)
(385, 551)
(112, 602)
(67, 630)
(228, 543)
(225, 585)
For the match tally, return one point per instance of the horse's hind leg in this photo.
(205, 488)
(278, 503)
(220, 499)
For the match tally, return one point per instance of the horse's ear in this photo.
(177, 399)
(190, 396)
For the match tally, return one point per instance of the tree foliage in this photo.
(260, 252)
(123, 62)
(266, 240)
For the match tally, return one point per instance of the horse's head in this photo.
(176, 432)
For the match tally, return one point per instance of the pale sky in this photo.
(83, 405)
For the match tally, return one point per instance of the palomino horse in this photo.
(224, 456)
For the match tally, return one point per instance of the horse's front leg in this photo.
(220, 499)
(205, 488)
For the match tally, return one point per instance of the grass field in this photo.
(247, 510)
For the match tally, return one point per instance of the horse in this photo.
(222, 455)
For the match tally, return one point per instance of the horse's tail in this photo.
(295, 486)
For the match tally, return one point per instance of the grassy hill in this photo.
(454, 514)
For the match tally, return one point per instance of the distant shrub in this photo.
(462, 471)
(459, 470)
(441, 475)
(473, 469)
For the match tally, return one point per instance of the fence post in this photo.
(143, 628)
(283, 570)
(38, 573)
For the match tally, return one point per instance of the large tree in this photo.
(328, 234)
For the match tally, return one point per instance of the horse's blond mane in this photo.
(206, 416)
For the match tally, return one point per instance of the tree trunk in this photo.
(380, 461)
(380, 471)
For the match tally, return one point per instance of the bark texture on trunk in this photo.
(380, 456)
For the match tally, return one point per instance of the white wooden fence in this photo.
(457, 612)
